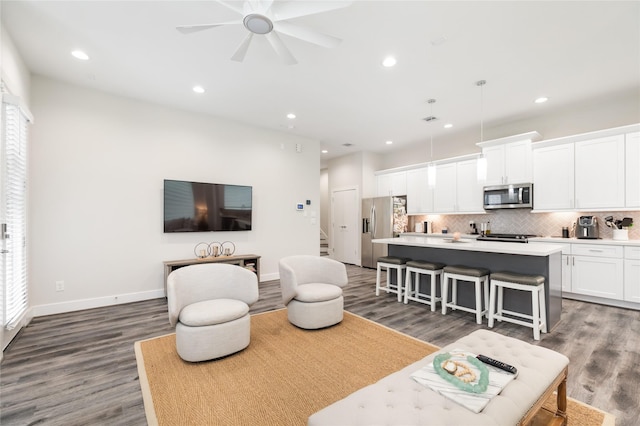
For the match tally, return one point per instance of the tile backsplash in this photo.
(522, 221)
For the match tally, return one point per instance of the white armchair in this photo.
(209, 305)
(312, 290)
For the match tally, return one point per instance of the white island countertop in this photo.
(524, 249)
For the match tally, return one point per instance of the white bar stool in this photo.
(531, 283)
(477, 276)
(421, 267)
(391, 263)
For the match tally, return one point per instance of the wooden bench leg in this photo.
(562, 401)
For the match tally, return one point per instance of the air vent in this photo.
(347, 144)
(430, 118)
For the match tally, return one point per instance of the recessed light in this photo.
(389, 61)
(324, 151)
(79, 54)
(389, 142)
(198, 89)
(541, 100)
(448, 126)
(291, 116)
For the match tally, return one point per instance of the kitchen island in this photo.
(535, 259)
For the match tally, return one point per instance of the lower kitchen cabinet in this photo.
(597, 276)
(632, 274)
(566, 273)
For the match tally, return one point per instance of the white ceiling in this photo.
(569, 51)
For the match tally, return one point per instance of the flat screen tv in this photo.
(204, 207)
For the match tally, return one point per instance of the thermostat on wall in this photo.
(299, 206)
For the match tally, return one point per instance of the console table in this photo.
(243, 260)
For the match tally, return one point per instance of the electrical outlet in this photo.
(59, 285)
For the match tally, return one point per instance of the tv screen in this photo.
(203, 207)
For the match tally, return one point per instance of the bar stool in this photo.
(531, 283)
(391, 263)
(477, 276)
(421, 267)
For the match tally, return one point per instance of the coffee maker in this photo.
(587, 228)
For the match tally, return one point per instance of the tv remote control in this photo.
(498, 364)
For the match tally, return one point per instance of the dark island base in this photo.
(519, 301)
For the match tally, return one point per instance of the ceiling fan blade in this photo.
(306, 34)
(280, 48)
(188, 29)
(232, 7)
(295, 9)
(242, 49)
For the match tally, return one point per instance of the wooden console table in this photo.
(244, 260)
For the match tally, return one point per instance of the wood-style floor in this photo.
(79, 368)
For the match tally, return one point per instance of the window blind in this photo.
(14, 206)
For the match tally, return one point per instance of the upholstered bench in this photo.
(398, 400)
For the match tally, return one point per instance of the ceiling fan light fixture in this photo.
(258, 24)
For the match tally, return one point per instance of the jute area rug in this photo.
(285, 375)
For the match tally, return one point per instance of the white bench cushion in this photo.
(399, 400)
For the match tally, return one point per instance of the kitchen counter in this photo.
(560, 240)
(536, 259)
(468, 244)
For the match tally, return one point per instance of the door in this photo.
(345, 214)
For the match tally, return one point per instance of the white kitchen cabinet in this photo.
(632, 274)
(419, 193)
(566, 272)
(632, 168)
(553, 177)
(597, 270)
(600, 173)
(468, 189)
(393, 183)
(444, 193)
(508, 163)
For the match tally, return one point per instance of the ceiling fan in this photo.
(270, 18)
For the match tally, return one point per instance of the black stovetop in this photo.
(512, 238)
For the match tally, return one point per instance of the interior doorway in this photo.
(345, 214)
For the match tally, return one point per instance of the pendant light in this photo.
(482, 161)
(431, 167)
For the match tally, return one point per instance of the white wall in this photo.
(553, 121)
(96, 180)
(13, 71)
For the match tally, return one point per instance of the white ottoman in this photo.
(399, 400)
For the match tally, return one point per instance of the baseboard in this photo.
(269, 277)
(99, 302)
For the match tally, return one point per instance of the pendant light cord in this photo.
(481, 83)
(431, 102)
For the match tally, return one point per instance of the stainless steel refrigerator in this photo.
(382, 217)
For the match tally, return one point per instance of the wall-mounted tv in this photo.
(204, 207)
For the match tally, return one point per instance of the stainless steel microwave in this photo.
(516, 196)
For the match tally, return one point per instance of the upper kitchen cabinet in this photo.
(444, 193)
(587, 172)
(509, 159)
(632, 168)
(392, 183)
(599, 169)
(457, 189)
(553, 177)
(419, 192)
